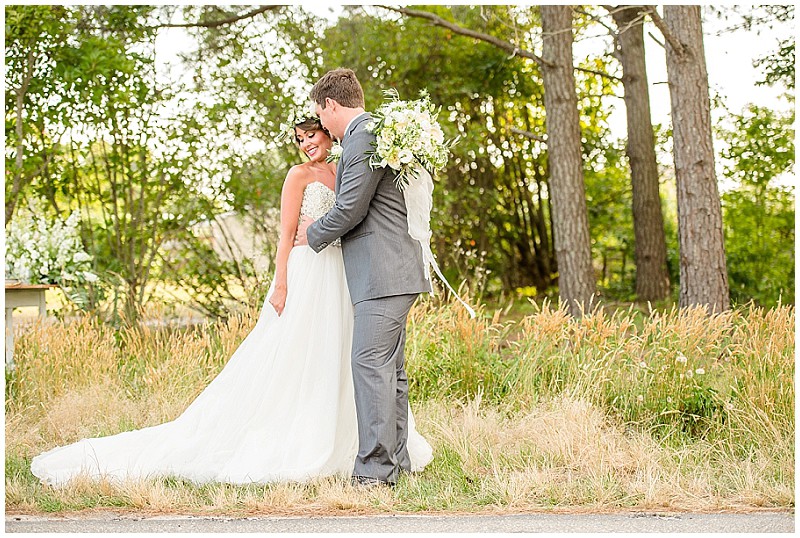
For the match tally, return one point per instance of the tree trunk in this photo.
(19, 180)
(576, 282)
(650, 248)
(703, 272)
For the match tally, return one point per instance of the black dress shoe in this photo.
(368, 482)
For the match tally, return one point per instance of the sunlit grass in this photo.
(618, 409)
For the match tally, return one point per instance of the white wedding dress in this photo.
(282, 409)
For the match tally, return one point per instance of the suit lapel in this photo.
(338, 179)
(361, 118)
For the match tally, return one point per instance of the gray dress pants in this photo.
(381, 386)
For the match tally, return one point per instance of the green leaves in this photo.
(760, 146)
(758, 214)
(89, 125)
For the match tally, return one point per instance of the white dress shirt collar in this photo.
(350, 123)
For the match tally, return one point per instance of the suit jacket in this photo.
(380, 258)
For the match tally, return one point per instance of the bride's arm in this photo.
(291, 199)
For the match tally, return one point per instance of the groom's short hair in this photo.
(342, 86)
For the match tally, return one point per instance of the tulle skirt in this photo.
(282, 409)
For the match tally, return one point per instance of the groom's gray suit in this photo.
(384, 271)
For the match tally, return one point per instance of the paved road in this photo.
(758, 522)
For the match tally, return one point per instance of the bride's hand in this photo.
(278, 299)
(300, 238)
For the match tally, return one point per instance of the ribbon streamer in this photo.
(418, 195)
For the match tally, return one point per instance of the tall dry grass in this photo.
(675, 372)
(673, 410)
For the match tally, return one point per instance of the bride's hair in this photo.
(310, 124)
(342, 86)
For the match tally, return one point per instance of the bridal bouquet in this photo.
(408, 137)
(410, 141)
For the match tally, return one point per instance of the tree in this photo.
(127, 170)
(758, 152)
(759, 215)
(92, 130)
(650, 249)
(703, 271)
(35, 39)
(570, 227)
(576, 280)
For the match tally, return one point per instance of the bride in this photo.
(283, 408)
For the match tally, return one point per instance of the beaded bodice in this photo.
(317, 200)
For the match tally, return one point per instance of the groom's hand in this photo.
(300, 238)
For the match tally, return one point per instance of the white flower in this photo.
(89, 276)
(642, 364)
(335, 153)
(437, 135)
(81, 256)
(640, 398)
(424, 123)
(700, 371)
(394, 162)
(297, 114)
(73, 219)
(681, 358)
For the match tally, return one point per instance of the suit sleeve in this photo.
(356, 190)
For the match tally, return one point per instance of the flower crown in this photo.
(297, 115)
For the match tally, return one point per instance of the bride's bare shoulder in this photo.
(298, 177)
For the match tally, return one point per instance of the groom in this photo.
(385, 274)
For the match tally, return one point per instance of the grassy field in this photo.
(669, 410)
